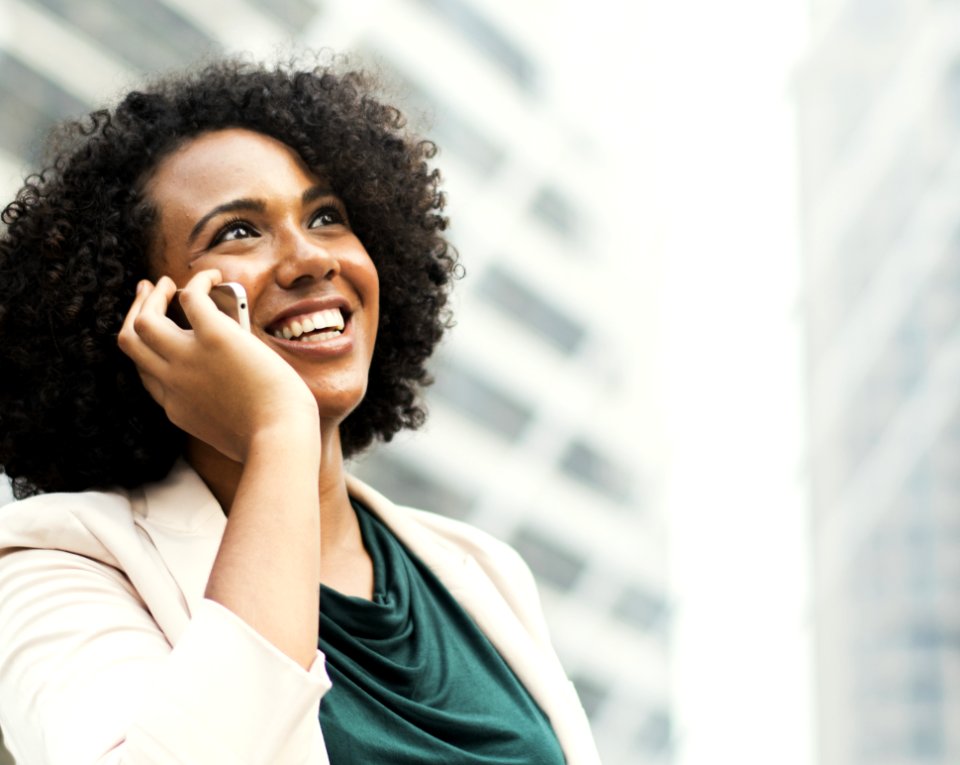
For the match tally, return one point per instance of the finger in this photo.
(147, 360)
(152, 327)
(195, 298)
(205, 280)
(159, 298)
(127, 338)
(143, 289)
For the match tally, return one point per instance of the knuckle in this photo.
(141, 325)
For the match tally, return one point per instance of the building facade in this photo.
(527, 435)
(879, 110)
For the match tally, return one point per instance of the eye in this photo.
(233, 230)
(328, 215)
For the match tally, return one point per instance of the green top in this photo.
(414, 679)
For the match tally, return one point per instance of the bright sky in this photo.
(711, 200)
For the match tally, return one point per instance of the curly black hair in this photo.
(73, 413)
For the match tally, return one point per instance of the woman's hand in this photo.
(216, 382)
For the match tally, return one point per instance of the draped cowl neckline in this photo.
(414, 678)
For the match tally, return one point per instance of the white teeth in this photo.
(320, 336)
(330, 320)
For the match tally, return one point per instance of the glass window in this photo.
(29, 105)
(554, 209)
(448, 129)
(549, 560)
(587, 465)
(653, 736)
(408, 484)
(925, 685)
(952, 87)
(482, 400)
(924, 635)
(873, 18)
(592, 694)
(926, 741)
(293, 14)
(488, 39)
(147, 33)
(641, 608)
(534, 312)
(453, 133)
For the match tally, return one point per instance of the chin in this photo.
(339, 403)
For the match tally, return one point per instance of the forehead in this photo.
(227, 164)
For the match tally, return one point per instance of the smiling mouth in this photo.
(313, 327)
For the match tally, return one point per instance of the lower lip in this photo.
(332, 347)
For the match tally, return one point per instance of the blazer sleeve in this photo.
(86, 676)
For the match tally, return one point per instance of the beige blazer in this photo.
(109, 652)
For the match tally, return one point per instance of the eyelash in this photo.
(230, 225)
(330, 209)
(333, 209)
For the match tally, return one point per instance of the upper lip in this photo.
(312, 305)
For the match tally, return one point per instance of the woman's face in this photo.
(246, 204)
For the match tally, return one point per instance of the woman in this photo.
(159, 594)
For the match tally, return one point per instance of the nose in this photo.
(303, 260)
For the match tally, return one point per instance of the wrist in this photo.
(295, 437)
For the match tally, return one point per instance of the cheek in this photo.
(366, 282)
(359, 270)
(372, 281)
(373, 300)
(241, 270)
(375, 293)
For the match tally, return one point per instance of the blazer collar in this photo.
(185, 523)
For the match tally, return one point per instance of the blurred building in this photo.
(527, 435)
(879, 99)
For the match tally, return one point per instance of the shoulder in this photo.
(158, 542)
(158, 535)
(80, 522)
(93, 523)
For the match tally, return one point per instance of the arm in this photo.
(267, 568)
(226, 389)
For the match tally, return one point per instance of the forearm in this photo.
(267, 570)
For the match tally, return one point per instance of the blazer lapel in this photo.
(185, 523)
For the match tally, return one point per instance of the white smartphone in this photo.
(229, 297)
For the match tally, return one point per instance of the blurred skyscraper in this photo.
(527, 434)
(879, 113)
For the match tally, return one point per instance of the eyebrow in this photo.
(235, 205)
(315, 192)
